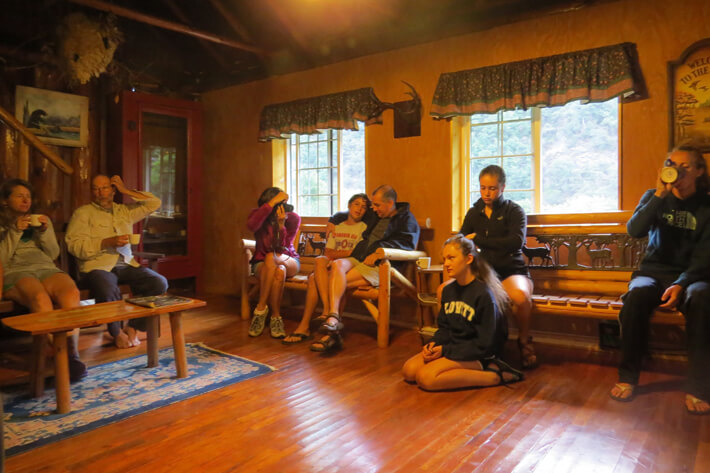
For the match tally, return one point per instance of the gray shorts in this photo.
(9, 280)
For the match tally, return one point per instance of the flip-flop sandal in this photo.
(300, 337)
(695, 401)
(500, 368)
(319, 320)
(330, 343)
(624, 387)
(330, 327)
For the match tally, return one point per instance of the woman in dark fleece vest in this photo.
(471, 327)
(497, 227)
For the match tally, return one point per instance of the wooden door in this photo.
(161, 152)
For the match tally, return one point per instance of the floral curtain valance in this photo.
(594, 75)
(341, 111)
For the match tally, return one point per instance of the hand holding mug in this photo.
(41, 221)
(22, 222)
(662, 188)
(115, 241)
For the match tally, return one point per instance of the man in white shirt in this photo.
(99, 238)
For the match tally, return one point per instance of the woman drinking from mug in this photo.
(497, 226)
(274, 225)
(472, 329)
(28, 248)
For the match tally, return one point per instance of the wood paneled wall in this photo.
(237, 167)
(56, 194)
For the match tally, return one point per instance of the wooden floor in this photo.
(353, 413)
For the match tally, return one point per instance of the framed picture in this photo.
(55, 117)
(689, 88)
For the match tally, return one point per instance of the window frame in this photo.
(461, 165)
(334, 139)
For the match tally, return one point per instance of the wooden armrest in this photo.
(394, 254)
(248, 244)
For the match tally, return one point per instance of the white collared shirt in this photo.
(90, 224)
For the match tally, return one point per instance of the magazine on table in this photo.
(158, 301)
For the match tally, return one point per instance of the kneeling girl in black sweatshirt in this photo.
(471, 327)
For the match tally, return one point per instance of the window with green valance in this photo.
(340, 111)
(593, 75)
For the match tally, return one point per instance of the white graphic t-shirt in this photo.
(345, 236)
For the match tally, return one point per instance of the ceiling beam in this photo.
(182, 16)
(168, 25)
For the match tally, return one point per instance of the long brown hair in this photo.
(481, 270)
(277, 233)
(6, 216)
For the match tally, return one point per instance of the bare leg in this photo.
(321, 279)
(277, 289)
(353, 278)
(443, 373)
(266, 276)
(62, 289)
(519, 289)
(311, 301)
(411, 366)
(284, 267)
(30, 293)
(338, 280)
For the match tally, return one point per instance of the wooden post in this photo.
(61, 373)
(153, 328)
(178, 344)
(37, 360)
(383, 305)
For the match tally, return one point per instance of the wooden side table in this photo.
(427, 306)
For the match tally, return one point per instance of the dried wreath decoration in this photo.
(86, 46)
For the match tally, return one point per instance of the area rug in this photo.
(117, 390)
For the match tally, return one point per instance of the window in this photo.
(160, 176)
(324, 170)
(557, 160)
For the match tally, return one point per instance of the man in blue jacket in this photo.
(389, 225)
(674, 272)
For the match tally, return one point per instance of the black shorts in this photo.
(505, 273)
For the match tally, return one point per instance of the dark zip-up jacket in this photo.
(678, 235)
(500, 237)
(402, 232)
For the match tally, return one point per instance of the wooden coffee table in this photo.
(59, 322)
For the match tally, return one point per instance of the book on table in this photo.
(158, 301)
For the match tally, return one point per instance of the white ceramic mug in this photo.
(424, 262)
(34, 220)
(135, 238)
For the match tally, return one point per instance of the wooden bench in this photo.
(592, 259)
(61, 321)
(309, 240)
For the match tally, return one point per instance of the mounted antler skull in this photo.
(407, 114)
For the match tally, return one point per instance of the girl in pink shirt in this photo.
(275, 226)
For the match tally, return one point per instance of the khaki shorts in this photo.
(370, 273)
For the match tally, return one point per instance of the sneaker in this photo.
(276, 325)
(257, 322)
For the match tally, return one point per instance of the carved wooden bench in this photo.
(308, 243)
(593, 258)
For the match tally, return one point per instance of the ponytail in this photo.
(482, 270)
